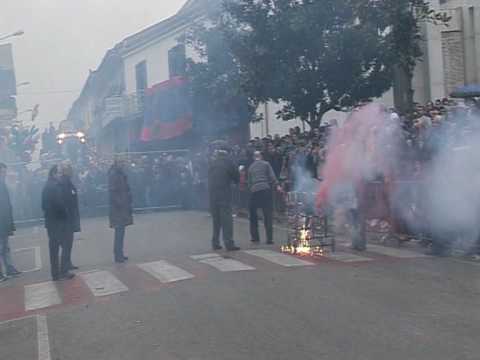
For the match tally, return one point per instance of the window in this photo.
(177, 61)
(141, 76)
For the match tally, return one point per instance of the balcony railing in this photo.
(122, 106)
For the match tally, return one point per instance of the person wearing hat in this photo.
(222, 173)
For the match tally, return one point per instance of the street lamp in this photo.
(25, 83)
(16, 33)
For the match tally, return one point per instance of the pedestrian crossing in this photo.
(165, 272)
(40, 296)
(103, 283)
(279, 258)
(221, 263)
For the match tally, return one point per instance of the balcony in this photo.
(123, 106)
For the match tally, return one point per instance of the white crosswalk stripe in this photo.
(40, 296)
(346, 257)
(165, 272)
(279, 258)
(221, 263)
(103, 283)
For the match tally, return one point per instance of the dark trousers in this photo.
(222, 221)
(67, 247)
(357, 223)
(58, 264)
(262, 199)
(118, 242)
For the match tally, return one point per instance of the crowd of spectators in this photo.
(167, 179)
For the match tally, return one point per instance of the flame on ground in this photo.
(303, 247)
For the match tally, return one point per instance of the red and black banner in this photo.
(168, 110)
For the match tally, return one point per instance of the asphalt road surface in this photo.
(169, 303)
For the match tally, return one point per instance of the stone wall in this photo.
(453, 59)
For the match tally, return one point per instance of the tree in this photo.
(22, 142)
(214, 76)
(404, 19)
(312, 56)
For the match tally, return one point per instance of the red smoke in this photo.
(356, 151)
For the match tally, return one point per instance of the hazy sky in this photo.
(64, 39)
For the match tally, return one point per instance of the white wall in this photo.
(156, 56)
(277, 126)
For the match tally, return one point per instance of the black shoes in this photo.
(217, 247)
(233, 248)
(73, 267)
(65, 276)
(255, 241)
(121, 260)
(13, 272)
(270, 242)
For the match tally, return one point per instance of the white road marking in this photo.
(204, 256)
(17, 319)
(279, 258)
(37, 257)
(40, 296)
(346, 257)
(397, 253)
(221, 263)
(165, 272)
(42, 338)
(103, 283)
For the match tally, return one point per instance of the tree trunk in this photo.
(402, 90)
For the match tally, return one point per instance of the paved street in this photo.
(176, 300)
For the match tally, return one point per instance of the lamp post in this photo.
(16, 33)
(24, 83)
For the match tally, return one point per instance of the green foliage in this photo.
(219, 101)
(22, 142)
(312, 56)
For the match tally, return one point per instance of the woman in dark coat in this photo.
(120, 206)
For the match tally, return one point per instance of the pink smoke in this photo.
(361, 149)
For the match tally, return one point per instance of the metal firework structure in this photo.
(309, 233)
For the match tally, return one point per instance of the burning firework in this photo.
(308, 233)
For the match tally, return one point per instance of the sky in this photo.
(63, 40)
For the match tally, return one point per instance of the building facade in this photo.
(110, 105)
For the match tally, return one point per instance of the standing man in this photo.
(7, 227)
(221, 174)
(70, 197)
(261, 182)
(345, 197)
(57, 224)
(121, 210)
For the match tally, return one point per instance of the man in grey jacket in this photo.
(261, 182)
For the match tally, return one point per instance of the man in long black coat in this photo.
(121, 210)
(70, 197)
(57, 224)
(7, 227)
(222, 173)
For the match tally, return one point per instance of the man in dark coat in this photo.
(121, 211)
(221, 174)
(7, 227)
(70, 197)
(57, 224)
